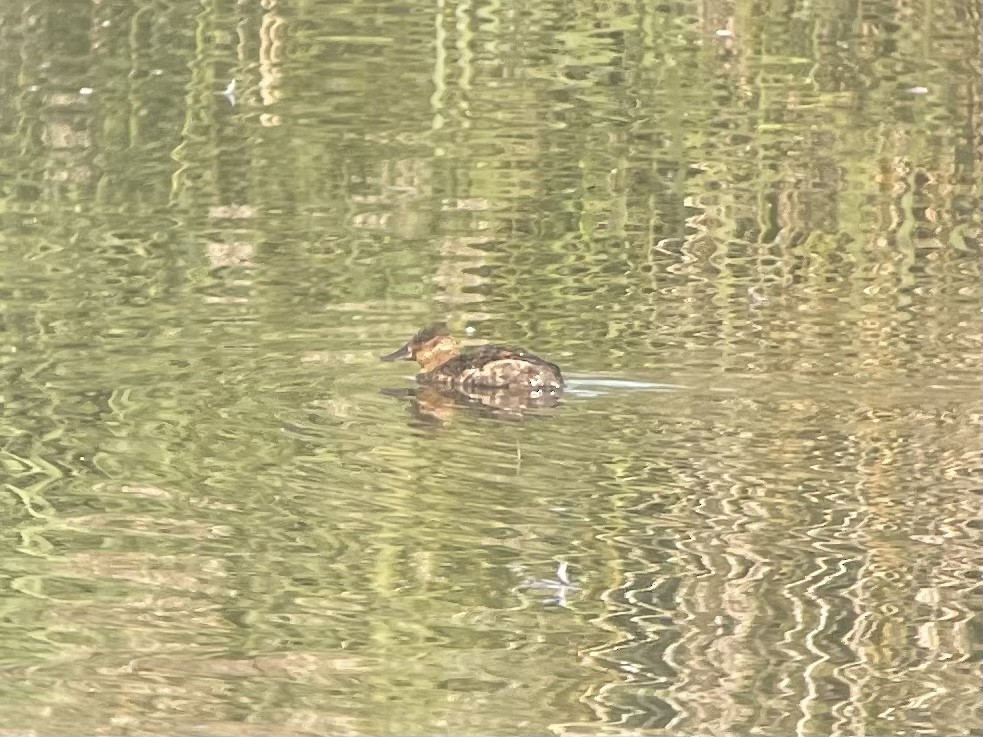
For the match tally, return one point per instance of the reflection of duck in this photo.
(482, 369)
(438, 403)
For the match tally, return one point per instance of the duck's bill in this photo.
(403, 354)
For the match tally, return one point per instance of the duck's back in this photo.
(497, 366)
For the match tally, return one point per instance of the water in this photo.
(750, 237)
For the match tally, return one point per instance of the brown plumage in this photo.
(490, 366)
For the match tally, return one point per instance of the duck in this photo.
(487, 367)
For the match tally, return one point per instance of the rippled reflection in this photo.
(750, 238)
(438, 405)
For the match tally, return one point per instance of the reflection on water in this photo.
(750, 240)
(558, 587)
(439, 405)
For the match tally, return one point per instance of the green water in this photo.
(748, 232)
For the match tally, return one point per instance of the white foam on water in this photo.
(594, 387)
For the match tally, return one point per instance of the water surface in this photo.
(750, 235)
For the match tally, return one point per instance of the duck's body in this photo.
(486, 367)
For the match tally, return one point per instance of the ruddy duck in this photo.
(487, 367)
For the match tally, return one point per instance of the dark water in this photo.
(750, 234)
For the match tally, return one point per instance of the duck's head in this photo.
(431, 347)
